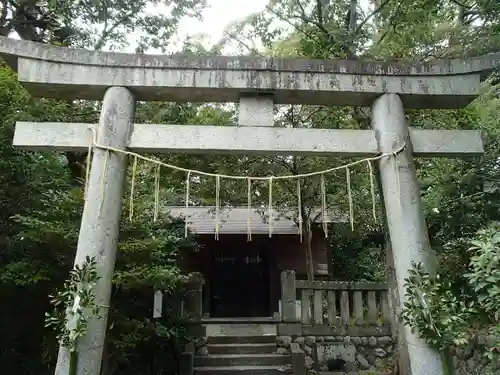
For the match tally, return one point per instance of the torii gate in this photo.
(120, 79)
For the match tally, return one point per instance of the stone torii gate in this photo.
(256, 83)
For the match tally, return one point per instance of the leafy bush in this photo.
(442, 318)
(432, 310)
(484, 277)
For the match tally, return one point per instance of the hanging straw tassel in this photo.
(157, 193)
(324, 215)
(249, 209)
(132, 188)
(349, 195)
(270, 206)
(372, 190)
(217, 207)
(186, 214)
(103, 181)
(87, 169)
(299, 210)
(396, 176)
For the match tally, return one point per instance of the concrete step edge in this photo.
(236, 368)
(254, 339)
(243, 355)
(247, 345)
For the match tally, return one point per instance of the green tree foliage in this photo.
(446, 320)
(41, 199)
(485, 280)
(439, 317)
(433, 311)
(96, 24)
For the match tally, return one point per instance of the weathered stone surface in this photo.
(371, 359)
(404, 210)
(282, 350)
(471, 364)
(385, 340)
(284, 341)
(202, 341)
(310, 340)
(309, 362)
(300, 340)
(372, 341)
(195, 139)
(374, 358)
(27, 49)
(379, 352)
(86, 75)
(363, 363)
(334, 351)
(202, 351)
(99, 232)
(256, 111)
(307, 349)
(288, 308)
(470, 359)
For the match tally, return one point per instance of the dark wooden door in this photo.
(239, 286)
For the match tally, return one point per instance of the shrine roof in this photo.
(201, 220)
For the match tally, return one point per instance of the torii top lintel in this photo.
(59, 72)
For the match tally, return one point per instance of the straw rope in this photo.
(249, 179)
(249, 209)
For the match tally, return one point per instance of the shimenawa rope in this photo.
(94, 144)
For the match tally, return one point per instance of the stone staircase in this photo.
(241, 355)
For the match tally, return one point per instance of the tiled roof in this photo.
(201, 220)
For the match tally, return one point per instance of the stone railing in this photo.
(331, 308)
(330, 320)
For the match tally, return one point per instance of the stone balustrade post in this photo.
(298, 360)
(288, 297)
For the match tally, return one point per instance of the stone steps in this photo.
(242, 349)
(264, 339)
(230, 360)
(239, 370)
(265, 348)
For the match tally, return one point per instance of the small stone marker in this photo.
(158, 304)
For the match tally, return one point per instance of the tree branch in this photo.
(296, 27)
(372, 14)
(319, 11)
(391, 23)
(106, 32)
(251, 49)
(462, 5)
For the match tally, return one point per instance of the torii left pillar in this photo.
(100, 223)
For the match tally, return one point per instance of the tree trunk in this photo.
(308, 249)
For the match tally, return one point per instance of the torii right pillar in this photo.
(405, 217)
